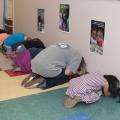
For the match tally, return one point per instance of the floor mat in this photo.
(11, 73)
(80, 116)
(49, 106)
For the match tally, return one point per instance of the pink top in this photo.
(23, 60)
(87, 87)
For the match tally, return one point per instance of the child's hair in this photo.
(113, 85)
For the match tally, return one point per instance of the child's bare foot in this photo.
(71, 102)
(13, 64)
(15, 68)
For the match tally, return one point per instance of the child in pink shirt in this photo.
(88, 88)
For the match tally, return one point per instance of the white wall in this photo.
(81, 14)
(1, 13)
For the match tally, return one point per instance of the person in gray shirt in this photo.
(53, 66)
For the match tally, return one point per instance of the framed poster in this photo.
(40, 19)
(97, 36)
(64, 17)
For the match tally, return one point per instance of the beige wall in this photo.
(81, 13)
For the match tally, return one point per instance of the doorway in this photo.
(8, 15)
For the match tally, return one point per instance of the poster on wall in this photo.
(97, 36)
(64, 17)
(40, 20)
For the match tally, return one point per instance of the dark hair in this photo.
(113, 85)
(3, 48)
(35, 42)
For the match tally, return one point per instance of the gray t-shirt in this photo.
(50, 61)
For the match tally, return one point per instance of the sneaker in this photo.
(30, 78)
(34, 83)
(27, 79)
(71, 102)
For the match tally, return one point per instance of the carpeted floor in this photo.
(49, 106)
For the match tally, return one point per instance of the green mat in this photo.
(49, 106)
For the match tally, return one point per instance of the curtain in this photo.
(8, 15)
(9, 9)
(1, 13)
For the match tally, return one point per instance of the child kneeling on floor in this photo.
(88, 88)
(55, 64)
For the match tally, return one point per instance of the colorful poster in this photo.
(64, 17)
(97, 36)
(40, 20)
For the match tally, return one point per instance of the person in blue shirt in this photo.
(13, 39)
